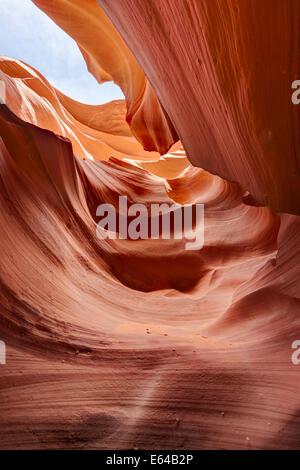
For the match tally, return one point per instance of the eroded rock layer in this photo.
(223, 71)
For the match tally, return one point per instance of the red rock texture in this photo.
(119, 344)
(223, 71)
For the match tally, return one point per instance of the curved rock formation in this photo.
(116, 343)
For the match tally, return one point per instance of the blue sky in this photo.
(28, 34)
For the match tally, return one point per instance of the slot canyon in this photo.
(142, 344)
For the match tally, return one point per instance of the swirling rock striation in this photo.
(141, 343)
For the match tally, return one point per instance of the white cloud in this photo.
(28, 34)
